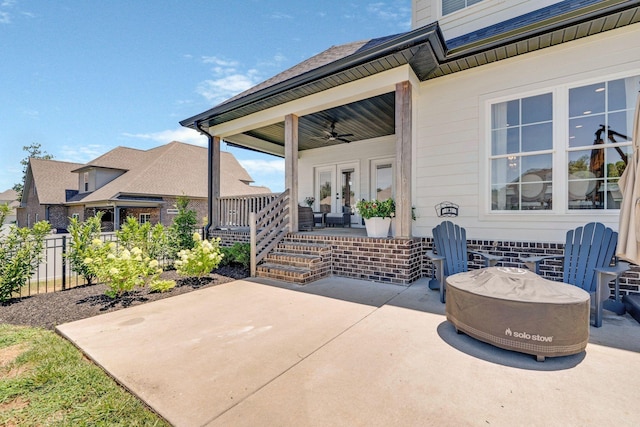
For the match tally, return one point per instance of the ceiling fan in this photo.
(332, 135)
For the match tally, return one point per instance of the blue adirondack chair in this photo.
(588, 262)
(451, 254)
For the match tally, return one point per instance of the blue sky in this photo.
(83, 77)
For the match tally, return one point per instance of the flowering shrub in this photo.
(21, 250)
(376, 208)
(120, 269)
(199, 261)
(81, 236)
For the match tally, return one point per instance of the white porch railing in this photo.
(268, 227)
(233, 211)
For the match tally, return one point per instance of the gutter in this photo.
(413, 38)
(196, 125)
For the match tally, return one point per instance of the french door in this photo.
(336, 188)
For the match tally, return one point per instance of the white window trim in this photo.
(467, 10)
(140, 217)
(560, 93)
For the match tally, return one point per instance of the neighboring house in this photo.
(467, 107)
(520, 112)
(126, 182)
(10, 198)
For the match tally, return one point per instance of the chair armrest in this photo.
(604, 276)
(433, 256)
(613, 271)
(489, 260)
(533, 262)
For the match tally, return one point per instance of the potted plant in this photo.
(309, 201)
(377, 216)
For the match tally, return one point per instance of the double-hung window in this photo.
(522, 153)
(563, 150)
(599, 145)
(450, 6)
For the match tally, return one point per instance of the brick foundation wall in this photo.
(229, 237)
(550, 269)
(402, 261)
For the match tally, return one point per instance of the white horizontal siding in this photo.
(475, 17)
(449, 133)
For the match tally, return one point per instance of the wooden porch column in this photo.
(403, 159)
(214, 185)
(291, 167)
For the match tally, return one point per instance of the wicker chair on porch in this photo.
(342, 219)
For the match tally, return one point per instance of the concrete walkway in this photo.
(343, 352)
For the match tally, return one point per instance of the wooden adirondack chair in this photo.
(451, 254)
(589, 264)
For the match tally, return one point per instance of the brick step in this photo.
(285, 273)
(302, 248)
(293, 259)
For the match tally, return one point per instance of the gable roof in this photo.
(174, 169)
(429, 55)
(9, 195)
(52, 178)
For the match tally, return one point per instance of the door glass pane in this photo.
(384, 181)
(347, 190)
(325, 190)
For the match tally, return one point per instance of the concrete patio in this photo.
(347, 352)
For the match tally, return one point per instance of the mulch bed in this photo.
(48, 310)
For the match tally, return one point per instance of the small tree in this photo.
(82, 234)
(33, 151)
(183, 227)
(21, 251)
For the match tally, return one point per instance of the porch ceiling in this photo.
(369, 118)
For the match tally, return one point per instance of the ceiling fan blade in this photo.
(344, 135)
(343, 140)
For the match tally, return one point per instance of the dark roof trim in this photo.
(428, 44)
(374, 51)
(545, 20)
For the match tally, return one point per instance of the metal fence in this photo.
(54, 273)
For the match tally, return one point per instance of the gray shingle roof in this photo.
(173, 169)
(52, 178)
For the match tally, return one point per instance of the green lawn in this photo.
(45, 380)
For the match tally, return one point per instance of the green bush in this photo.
(21, 251)
(81, 236)
(239, 253)
(162, 285)
(201, 259)
(152, 240)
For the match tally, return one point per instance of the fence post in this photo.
(64, 263)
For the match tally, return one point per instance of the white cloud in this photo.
(81, 154)
(268, 173)
(5, 18)
(259, 166)
(186, 135)
(227, 81)
(280, 15)
(389, 12)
